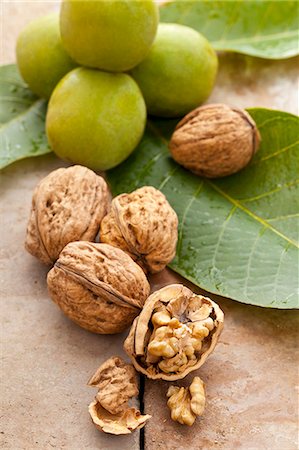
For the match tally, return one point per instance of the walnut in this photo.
(215, 140)
(117, 383)
(67, 205)
(187, 403)
(98, 286)
(144, 225)
(174, 334)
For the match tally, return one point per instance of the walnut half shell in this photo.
(67, 205)
(174, 334)
(98, 286)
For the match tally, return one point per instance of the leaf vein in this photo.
(250, 213)
(223, 227)
(24, 113)
(180, 237)
(260, 233)
(272, 155)
(267, 194)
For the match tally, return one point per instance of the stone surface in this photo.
(47, 360)
(251, 394)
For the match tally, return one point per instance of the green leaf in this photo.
(22, 119)
(237, 235)
(267, 29)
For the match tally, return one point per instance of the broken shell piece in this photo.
(117, 383)
(186, 404)
(174, 333)
(123, 423)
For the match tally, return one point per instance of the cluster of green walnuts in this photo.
(104, 65)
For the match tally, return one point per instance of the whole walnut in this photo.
(215, 140)
(144, 225)
(67, 205)
(98, 286)
(174, 333)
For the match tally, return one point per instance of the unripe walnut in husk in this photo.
(215, 140)
(174, 333)
(98, 286)
(67, 205)
(144, 225)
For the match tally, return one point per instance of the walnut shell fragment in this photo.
(174, 334)
(122, 423)
(117, 383)
(144, 225)
(98, 286)
(187, 403)
(67, 205)
(215, 140)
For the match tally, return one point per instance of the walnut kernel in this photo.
(186, 404)
(117, 384)
(174, 334)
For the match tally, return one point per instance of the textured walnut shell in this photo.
(117, 383)
(215, 140)
(144, 225)
(123, 423)
(67, 205)
(98, 286)
(136, 343)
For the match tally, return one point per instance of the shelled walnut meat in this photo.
(174, 334)
(144, 225)
(67, 205)
(98, 286)
(215, 140)
(186, 403)
(117, 384)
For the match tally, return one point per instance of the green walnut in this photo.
(95, 118)
(113, 35)
(179, 72)
(41, 58)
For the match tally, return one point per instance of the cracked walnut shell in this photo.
(144, 225)
(174, 334)
(215, 140)
(186, 404)
(117, 383)
(67, 205)
(98, 286)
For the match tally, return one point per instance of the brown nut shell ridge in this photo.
(67, 205)
(98, 286)
(215, 140)
(134, 343)
(144, 225)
